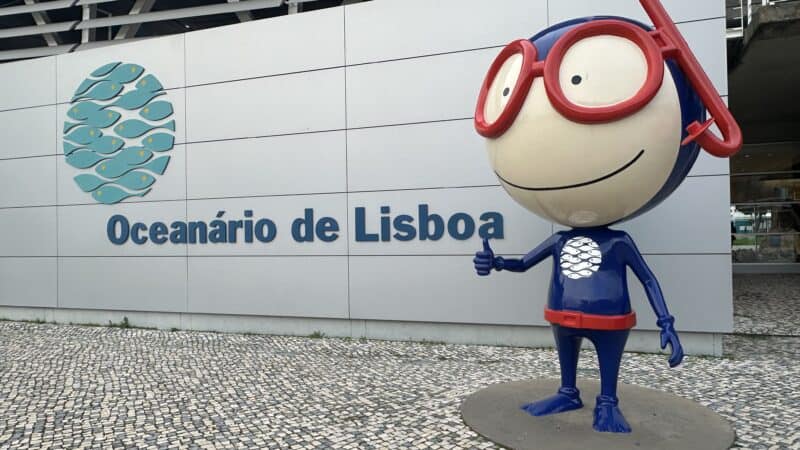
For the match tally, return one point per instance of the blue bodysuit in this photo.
(589, 299)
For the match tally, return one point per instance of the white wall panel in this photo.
(28, 282)
(523, 230)
(694, 219)
(378, 31)
(679, 10)
(439, 154)
(28, 231)
(28, 181)
(444, 289)
(707, 164)
(416, 90)
(28, 83)
(299, 287)
(135, 284)
(169, 186)
(294, 164)
(707, 41)
(162, 57)
(82, 229)
(297, 42)
(28, 132)
(282, 210)
(697, 290)
(297, 103)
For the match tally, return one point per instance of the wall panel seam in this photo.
(186, 167)
(58, 240)
(316, 69)
(293, 194)
(186, 85)
(346, 161)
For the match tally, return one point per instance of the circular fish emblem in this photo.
(580, 258)
(118, 131)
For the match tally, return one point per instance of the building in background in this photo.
(764, 69)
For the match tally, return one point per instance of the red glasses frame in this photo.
(657, 45)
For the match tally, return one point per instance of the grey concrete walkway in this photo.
(82, 387)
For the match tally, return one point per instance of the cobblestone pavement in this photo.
(90, 387)
(767, 304)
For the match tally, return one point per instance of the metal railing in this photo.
(739, 13)
(127, 23)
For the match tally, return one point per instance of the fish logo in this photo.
(580, 258)
(118, 130)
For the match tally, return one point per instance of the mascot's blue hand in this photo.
(484, 259)
(670, 337)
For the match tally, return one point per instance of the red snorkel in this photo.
(676, 48)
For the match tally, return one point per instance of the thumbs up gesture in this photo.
(484, 259)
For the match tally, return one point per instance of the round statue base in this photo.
(659, 420)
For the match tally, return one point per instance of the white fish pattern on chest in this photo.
(580, 258)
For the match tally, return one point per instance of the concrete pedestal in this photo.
(659, 420)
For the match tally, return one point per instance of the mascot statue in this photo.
(588, 123)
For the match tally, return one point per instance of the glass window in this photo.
(765, 203)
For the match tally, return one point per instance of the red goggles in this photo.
(520, 59)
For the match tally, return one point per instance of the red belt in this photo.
(575, 319)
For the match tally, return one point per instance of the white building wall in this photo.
(359, 106)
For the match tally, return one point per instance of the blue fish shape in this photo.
(132, 128)
(83, 159)
(84, 86)
(125, 73)
(111, 194)
(156, 111)
(70, 125)
(158, 165)
(106, 144)
(114, 168)
(136, 180)
(88, 182)
(103, 90)
(135, 99)
(84, 135)
(132, 156)
(69, 148)
(103, 118)
(104, 70)
(82, 110)
(149, 84)
(159, 142)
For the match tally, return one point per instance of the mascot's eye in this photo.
(602, 70)
(501, 90)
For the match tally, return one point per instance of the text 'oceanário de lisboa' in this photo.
(248, 228)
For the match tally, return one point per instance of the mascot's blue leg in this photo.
(607, 415)
(568, 342)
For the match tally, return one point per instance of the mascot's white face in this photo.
(583, 175)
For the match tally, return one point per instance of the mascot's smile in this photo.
(569, 186)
